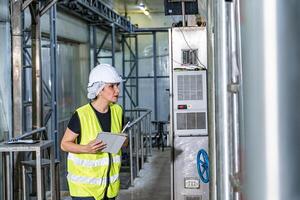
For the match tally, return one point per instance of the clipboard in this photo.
(113, 141)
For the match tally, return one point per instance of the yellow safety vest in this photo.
(87, 173)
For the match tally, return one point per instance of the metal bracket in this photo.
(233, 87)
(235, 181)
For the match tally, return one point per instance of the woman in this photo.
(93, 174)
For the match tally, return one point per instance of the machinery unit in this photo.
(190, 164)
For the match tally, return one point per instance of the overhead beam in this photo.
(48, 5)
(26, 4)
(97, 11)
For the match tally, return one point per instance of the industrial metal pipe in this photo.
(131, 156)
(222, 101)
(211, 102)
(16, 24)
(37, 97)
(270, 50)
(234, 107)
(53, 64)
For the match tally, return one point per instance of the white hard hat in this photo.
(101, 74)
(104, 73)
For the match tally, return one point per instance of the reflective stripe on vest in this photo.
(92, 163)
(88, 180)
(87, 173)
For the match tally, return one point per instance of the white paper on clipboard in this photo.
(113, 141)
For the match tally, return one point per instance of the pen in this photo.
(125, 127)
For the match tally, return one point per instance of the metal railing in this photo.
(140, 142)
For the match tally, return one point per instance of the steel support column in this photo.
(155, 74)
(17, 70)
(211, 92)
(133, 64)
(16, 23)
(221, 61)
(53, 64)
(123, 71)
(136, 61)
(93, 46)
(113, 44)
(37, 105)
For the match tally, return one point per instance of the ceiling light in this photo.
(142, 6)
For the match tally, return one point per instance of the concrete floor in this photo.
(153, 181)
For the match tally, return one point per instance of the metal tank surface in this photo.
(271, 55)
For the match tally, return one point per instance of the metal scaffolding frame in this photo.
(99, 14)
(28, 107)
(95, 51)
(92, 11)
(128, 85)
(95, 11)
(50, 93)
(26, 40)
(128, 88)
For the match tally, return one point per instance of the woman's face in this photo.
(110, 92)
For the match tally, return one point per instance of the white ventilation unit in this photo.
(190, 103)
(188, 121)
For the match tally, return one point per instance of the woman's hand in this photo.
(95, 146)
(126, 142)
(68, 144)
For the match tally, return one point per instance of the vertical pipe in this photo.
(16, 24)
(24, 180)
(8, 181)
(171, 113)
(183, 13)
(53, 64)
(142, 143)
(3, 176)
(222, 120)
(37, 103)
(155, 74)
(240, 97)
(131, 156)
(17, 97)
(93, 46)
(53, 171)
(136, 60)
(271, 98)
(26, 97)
(211, 103)
(39, 177)
(136, 140)
(123, 72)
(95, 55)
(113, 43)
(150, 134)
(234, 101)
(37, 111)
(145, 134)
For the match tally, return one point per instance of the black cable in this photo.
(190, 48)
